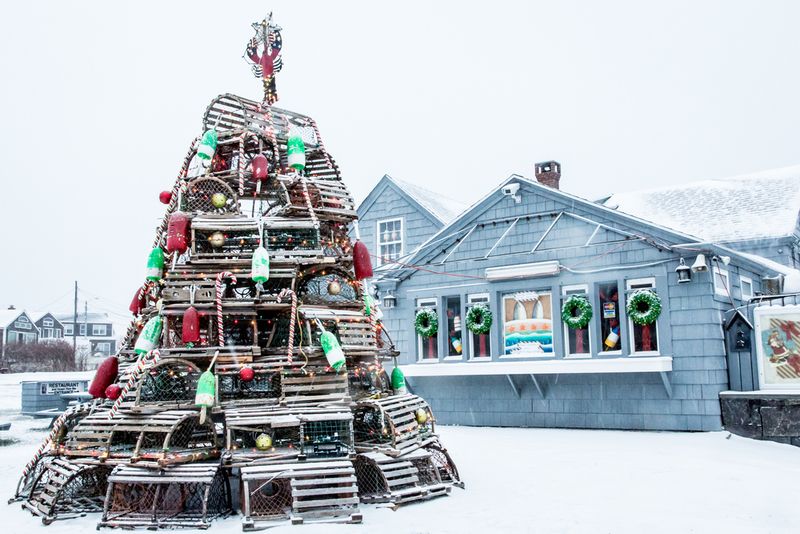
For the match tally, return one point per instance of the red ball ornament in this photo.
(105, 375)
(246, 374)
(113, 392)
(260, 167)
(165, 197)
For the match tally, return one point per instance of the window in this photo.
(104, 348)
(479, 345)
(68, 329)
(644, 337)
(747, 288)
(47, 322)
(22, 322)
(47, 333)
(455, 345)
(99, 330)
(58, 332)
(29, 338)
(608, 296)
(721, 281)
(576, 340)
(82, 330)
(528, 324)
(428, 347)
(390, 240)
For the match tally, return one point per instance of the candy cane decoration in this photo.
(286, 292)
(145, 361)
(57, 426)
(271, 134)
(307, 198)
(220, 276)
(240, 166)
(320, 144)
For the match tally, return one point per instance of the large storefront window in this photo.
(454, 335)
(608, 296)
(576, 340)
(428, 347)
(644, 337)
(479, 345)
(528, 323)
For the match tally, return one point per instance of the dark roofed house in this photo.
(95, 331)
(16, 326)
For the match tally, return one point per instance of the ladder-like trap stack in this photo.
(298, 440)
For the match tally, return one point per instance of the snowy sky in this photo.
(100, 101)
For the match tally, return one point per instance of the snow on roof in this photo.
(753, 206)
(440, 206)
(8, 316)
(91, 317)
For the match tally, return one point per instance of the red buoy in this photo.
(165, 197)
(139, 302)
(113, 392)
(260, 167)
(191, 326)
(178, 232)
(361, 261)
(105, 375)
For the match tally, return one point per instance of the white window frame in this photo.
(57, 332)
(447, 356)
(68, 329)
(96, 330)
(431, 302)
(47, 333)
(29, 338)
(631, 341)
(47, 322)
(380, 241)
(477, 298)
(566, 291)
(106, 345)
(719, 289)
(602, 351)
(82, 329)
(742, 281)
(540, 291)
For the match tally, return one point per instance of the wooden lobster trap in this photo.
(411, 477)
(64, 489)
(329, 287)
(170, 384)
(393, 425)
(230, 240)
(353, 329)
(279, 433)
(330, 200)
(316, 387)
(299, 492)
(179, 496)
(368, 380)
(263, 389)
(161, 438)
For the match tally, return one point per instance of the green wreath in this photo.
(577, 312)
(479, 319)
(426, 323)
(644, 307)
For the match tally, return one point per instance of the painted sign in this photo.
(528, 323)
(609, 310)
(60, 388)
(778, 346)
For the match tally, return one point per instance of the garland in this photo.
(644, 307)
(426, 323)
(577, 312)
(479, 319)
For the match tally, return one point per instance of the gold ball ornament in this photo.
(263, 442)
(334, 288)
(217, 239)
(422, 416)
(218, 200)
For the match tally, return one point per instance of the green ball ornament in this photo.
(422, 416)
(218, 200)
(263, 442)
(217, 239)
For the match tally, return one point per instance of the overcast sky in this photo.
(101, 100)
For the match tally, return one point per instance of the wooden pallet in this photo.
(386, 479)
(156, 439)
(299, 492)
(389, 424)
(189, 496)
(67, 489)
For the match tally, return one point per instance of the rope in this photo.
(144, 362)
(220, 276)
(286, 292)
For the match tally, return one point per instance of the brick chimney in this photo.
(548, 173)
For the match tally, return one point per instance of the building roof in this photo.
(91, 317)
(8, 316)
(741, 208)
(440, 206)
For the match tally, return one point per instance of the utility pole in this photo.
(75, 324)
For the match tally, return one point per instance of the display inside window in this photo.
(454, 340)
(608, 295)
(428, 347)
(528, 323)
(390, 240)
(479, 343)
(577, 338)
(645, 336)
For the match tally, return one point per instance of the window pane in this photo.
(645, 337)
(528, 323)
(608, 294)
(428, 347)
(577, 338)
(454, 340)
(479, 343)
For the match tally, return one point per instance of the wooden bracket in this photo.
(540, 387)
(667, 384)
(513, 386)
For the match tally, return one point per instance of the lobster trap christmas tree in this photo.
(251, 378)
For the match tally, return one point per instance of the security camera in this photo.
(510, 190)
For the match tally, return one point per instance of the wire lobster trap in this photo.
(66, 489)
(180, 496)
(393, 424)
(163, 438)
(299, 492)
(263, 388)
(411, 477)
(368, 380)
(170, 384)
(206, 194)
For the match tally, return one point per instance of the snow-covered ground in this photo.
(539, 480)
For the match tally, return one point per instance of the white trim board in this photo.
(655, 364)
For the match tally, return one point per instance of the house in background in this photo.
(521, 252)
(755, 213)
(95, 332)
(397, 217)
(16, 326)
(49, 327)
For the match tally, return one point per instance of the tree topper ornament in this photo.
(268, 63)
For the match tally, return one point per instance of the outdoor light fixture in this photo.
(525, 270)
(389, 301)
(699, 265)
(684, 273)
